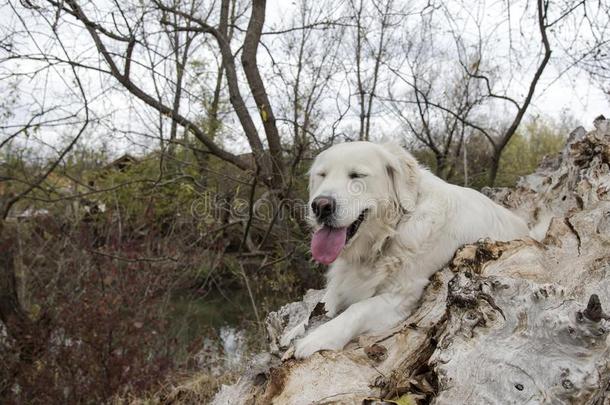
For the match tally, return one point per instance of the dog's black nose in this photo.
(323, 207)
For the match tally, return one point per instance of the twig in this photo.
(243, 273)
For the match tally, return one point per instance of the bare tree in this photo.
(180, 45)
(590, 49)
(374, 25)
(499, 143)
(480, 89)
(310, 64)
(119, 47)
(31, 335)
(440, 130)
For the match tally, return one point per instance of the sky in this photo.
(573, 93)
(558, 94)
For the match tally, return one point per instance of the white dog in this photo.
(386, 225)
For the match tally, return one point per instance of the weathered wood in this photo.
(516, 322)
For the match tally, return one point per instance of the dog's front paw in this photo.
(331, 304)
(323, 338)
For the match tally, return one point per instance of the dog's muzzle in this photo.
(323, 208)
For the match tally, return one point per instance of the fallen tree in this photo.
(504, 322)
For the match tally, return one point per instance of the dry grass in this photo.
(196, 388)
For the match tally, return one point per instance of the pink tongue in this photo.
(326, 244)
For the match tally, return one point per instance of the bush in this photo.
(110, 261)
(522, 155)
(526, 149)
(105, 329)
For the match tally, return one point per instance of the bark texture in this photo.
(513, 322)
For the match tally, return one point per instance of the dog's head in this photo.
(355, 190)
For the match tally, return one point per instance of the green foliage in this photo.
(524, 152)
(140, 195)
(527, 148)
(425, 157)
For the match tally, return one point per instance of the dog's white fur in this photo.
(415, 222)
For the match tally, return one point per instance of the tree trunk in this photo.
(259, 93)
(29, 336)
(494, 166)
(504, 322)
(441, 166)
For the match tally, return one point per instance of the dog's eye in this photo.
(354, 175)
(322, 174)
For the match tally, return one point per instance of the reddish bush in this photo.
(106, 331)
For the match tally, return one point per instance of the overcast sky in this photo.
(559, 93)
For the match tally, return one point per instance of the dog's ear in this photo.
(403, 172)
